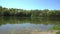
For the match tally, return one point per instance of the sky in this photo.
(31, 4)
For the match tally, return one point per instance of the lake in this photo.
(17, 25)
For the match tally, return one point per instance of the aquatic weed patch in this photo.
(56, 27)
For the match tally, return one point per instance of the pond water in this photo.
(16, 25)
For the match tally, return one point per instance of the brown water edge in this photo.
(45, 32)
(30, 32)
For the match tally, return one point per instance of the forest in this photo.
(29, 13)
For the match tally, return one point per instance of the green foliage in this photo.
(29, 13)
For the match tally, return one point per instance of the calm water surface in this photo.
(14, 25)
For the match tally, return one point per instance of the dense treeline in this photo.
(28, 13)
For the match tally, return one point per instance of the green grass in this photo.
(58, 32)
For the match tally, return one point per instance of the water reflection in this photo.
(17, 20)
(17, 25)
(21, 28)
